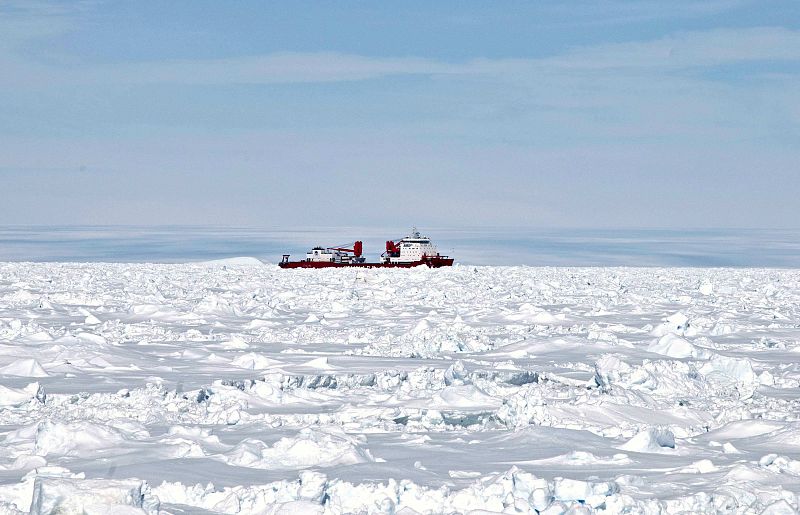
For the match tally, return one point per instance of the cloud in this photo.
(679, 51)
(272, 68)
(689, 49)
(611, 12)
(24, 21)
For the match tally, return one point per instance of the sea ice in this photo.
(238, 387)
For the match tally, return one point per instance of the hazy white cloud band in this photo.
(678, 51)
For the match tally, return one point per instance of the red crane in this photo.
(356, 250)
(392, 248)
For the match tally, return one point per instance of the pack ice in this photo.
(243, 388)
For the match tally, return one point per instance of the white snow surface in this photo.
(238, 387)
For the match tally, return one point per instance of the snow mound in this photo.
(528, 313)
(699, 467)
(583, 458)
(234, 342)
(75, 439)
(653, 440)
(28, 367)
(463, 397)
(310, 448)
(253, 361)
(321, 362)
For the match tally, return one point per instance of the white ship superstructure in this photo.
(412, 248)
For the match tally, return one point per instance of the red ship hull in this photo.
(432, 262)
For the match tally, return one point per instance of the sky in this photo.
(540, 114)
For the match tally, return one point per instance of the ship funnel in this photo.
(357, 248)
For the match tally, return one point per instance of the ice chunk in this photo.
(732, 372)
(675, 347)
(312, 486)
(258, 323)
(253, 361)
(235, 343)
(92, 338)
(321, 362)
(609, 369)
(422, 327)
(571, 490)
(455, 373)
(699, 467)
(14, 397)
(91, 320)
(729, 448)
(541, 498)
(766, 378)
(778, 463)
(92, 496)
(677, 323)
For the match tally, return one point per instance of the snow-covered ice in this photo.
(238, 387)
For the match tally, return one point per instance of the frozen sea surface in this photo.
(222, 388)
(500, 246)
